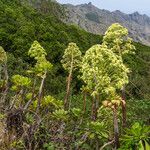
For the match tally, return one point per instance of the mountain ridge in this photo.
(95, 20)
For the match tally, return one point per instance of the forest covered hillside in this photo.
(64, 88)
(21, 26)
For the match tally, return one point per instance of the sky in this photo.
(126, 6)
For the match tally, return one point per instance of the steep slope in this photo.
(96, 21)
(20, 27)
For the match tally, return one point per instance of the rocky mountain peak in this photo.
(95, 20)
(90, 3)
(136, 13)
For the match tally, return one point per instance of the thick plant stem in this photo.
(107, 144)
(33, 93)
(95, 103)
(97, 144)
(96, 106)
(0, 71)
(40, 93)
(123, 104)
(92, 108)
(84, 102)
(69, 79)
(5, 85)
(93, 113)
(66, 103)
(116, 128)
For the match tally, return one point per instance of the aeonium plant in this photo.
(103, 72)
(41, 67)
(71, 61)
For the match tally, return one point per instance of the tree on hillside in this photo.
(71, 61)
(3, 60)
(103, 73)
(3, 76)
(41, 67)
(117, 40)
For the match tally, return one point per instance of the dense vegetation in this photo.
(21, 26)
(93, 17)
(33, 83)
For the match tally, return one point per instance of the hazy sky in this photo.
(127, 6)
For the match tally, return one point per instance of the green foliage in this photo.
(49, 146)
(2, 116)
(136, 138)
(116, 38)
(105, 115)
(103, 71)
(3, 61)
(60, 114)
(49, 7)
(42, 66)
(97, 129)
(21, 26)
(139, 78)
(17, 144)
(138, 111)
(93, 17)
(29, 118)
(77, 112)
(72, 56)
(34, 104)
(3, 56)
(37, 51)
(49, 100)
(12, 62)
(51, 127)
(20, 82)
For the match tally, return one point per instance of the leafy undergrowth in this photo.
(41, 109)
